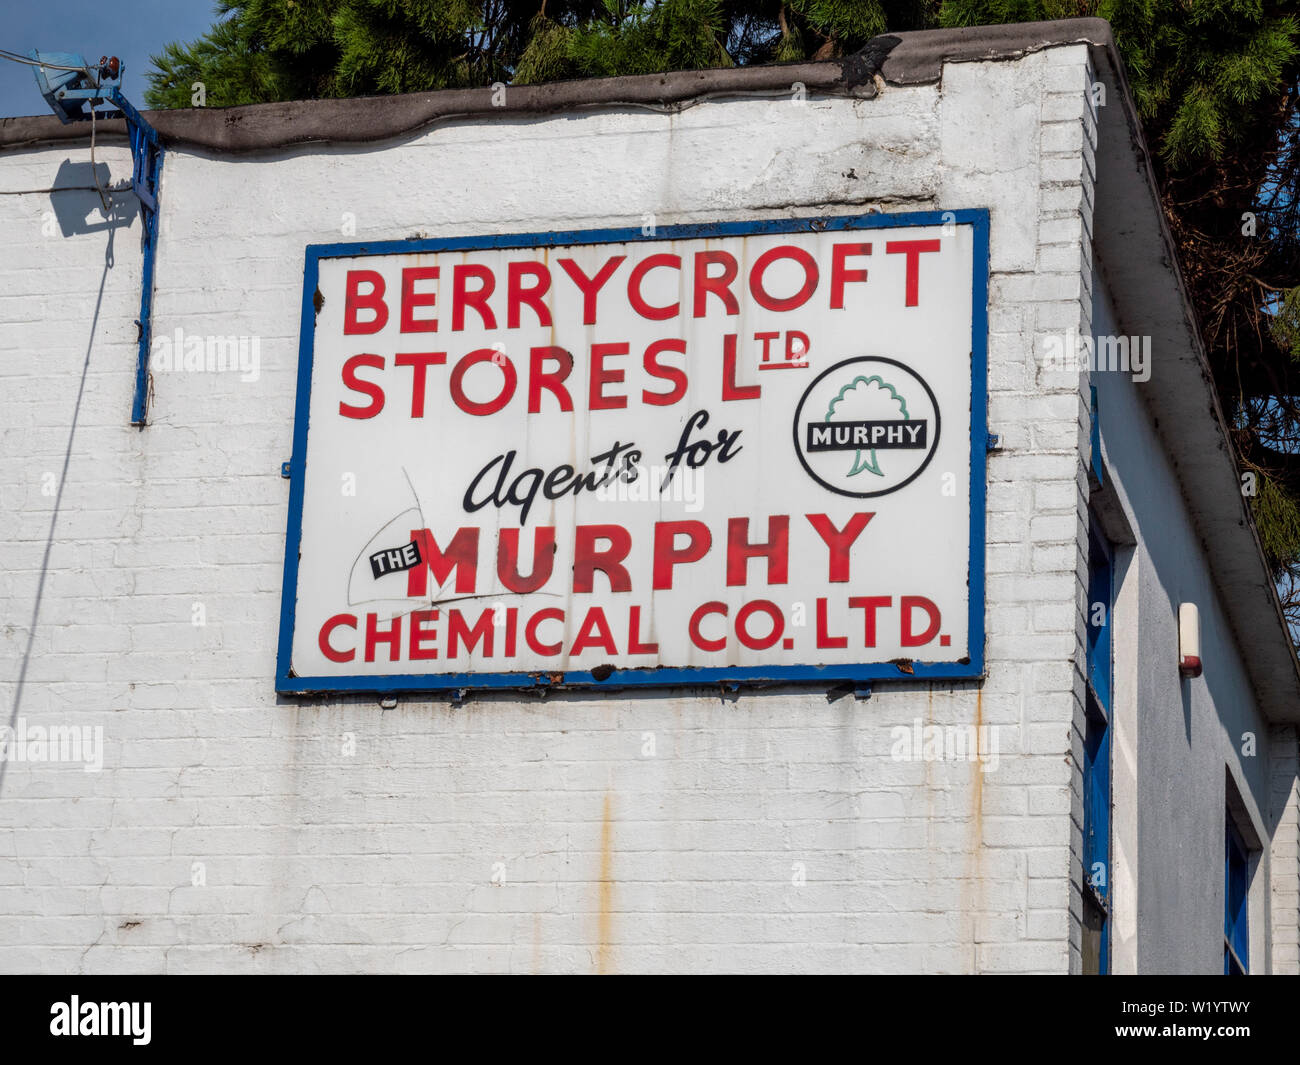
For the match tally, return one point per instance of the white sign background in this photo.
(369, 483)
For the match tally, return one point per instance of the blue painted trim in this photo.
(1094, 436)
(147, 154)
(978, 219)
(1097, 731)
(979, 428)
(1236, 911)
(297, 481)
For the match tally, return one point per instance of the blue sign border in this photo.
(658, 676)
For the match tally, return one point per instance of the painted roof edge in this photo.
(911, 58)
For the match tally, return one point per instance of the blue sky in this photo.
(132, 30)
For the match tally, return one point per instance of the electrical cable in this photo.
(16, 58)
(112, 190)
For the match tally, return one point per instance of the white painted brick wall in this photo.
(1284, 804)
(609, 860)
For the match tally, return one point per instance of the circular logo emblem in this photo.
(866, 427)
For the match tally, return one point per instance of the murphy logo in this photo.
(866, 427)
(102, 1018)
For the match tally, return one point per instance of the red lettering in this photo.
(594, 632)
(461, 555)
(667, 554)
(913, 249)
(590, 286)
(463, 297)
(458, 631)
(731, 390)
(367, 388)
(412, 299)
(840, 275)
(825, 641)
(759, 643)
(587, 560)
(664, 373)
(909, 603)
(869, 604)
(392, 636)
(634, 644)
(543, 559)
(512, 633)
(718, 286)
(776, 550)
(371, 301)
(419, 363)
(419, 634)
(327, 630)
(549, 650)
(789, 303)
(517, 295)
(839, 541)
(600, 377)
(552, 381)
(509, 379)
(634, 297)
(693, 628)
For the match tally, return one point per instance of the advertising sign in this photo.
(747, 452)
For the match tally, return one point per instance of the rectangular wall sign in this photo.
(745, 452)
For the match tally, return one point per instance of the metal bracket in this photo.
(862, 690)
(285, 469)
(991, 441)
(67, 91)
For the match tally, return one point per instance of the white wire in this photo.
(16, 58)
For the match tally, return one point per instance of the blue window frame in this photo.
(1236, 925)
(1096, 759)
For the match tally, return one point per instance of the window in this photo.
(1236, 930)
(1096, 761)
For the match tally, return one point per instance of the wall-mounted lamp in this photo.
(1189, 640)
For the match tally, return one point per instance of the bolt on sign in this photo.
(735, 452)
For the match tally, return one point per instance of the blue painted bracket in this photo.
(68, 91)
(146, 177)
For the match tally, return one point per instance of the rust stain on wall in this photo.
(605, 888)
(977, 779)
(928, 771)
(973, 890)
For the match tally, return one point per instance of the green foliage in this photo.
(1194, 65)
(637, 38)
(264, 50)
(1285, 324)
(258, 51)
(1277, 516)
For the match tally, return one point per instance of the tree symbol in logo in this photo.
(867, 399)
